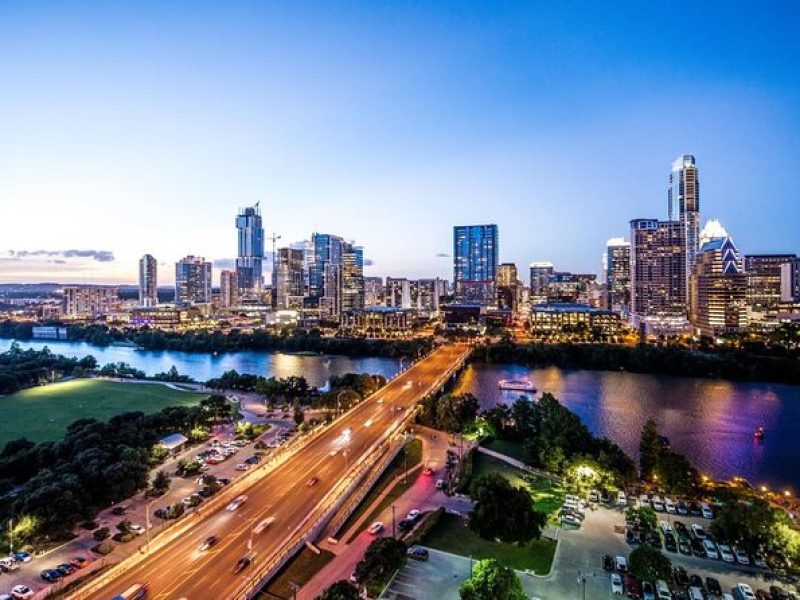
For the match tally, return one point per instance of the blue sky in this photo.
(141, 127)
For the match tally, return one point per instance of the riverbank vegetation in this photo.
(24, 368)
(748, 365)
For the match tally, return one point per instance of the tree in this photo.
(492, 581)
(382, 558)
(217, 408)
(299, 415)
(124, 526)
(160, 483)
(647, 563)
(341, 590)
(101, 534)
(649, 449)
(748, 525)
(503, 511)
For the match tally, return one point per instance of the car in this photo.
(759, 562)
(741, 557)
(65, 569)
(648, 591)
(8, 564)
(312, 482)
(209, 542)
(236, 503)
(594, 496)
(695, 593)
(79, 562)
(119, 510)
(696, 581)
(725, 553)
(242, 467)
(681, 508)
(706, 511)
(50, 575)
(427, 471)
(644, 500)
(205, 492)
(621, 564)
(633, 588)
(263, 524)
(253, 460)
(684, 547)
(193, 500)
(665, 526)
(658, 505)
(694, 509)
(137, 529)
(670, 506)
(375, 528)
(669, 542)
(241, 564)
(417, 553)
(21, 592)
(713, 586)
(680, 529)
(22, 556)
(711, 549)
(654, 540)
(622, 500)
(662, 590)
(698, 531)
(413, 515)
(745, 591)
(608, 563)
(223, 480)
(680, 576)
(571, 519)
(616, 584)
(439, 484)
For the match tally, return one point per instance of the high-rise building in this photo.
(325, 266)
(508, 289)
(718, 289)
(398, 292)
(658, 268)
(352, 277)
(507, 275)
(790, 281)
(426, 294)
(683, 198)
(764, 284)
(289, 284)
(250, 256)
(148, 281)
(90, 301)
(228, 288)
(475, 258)
(192, 280)
(540, 274)
(618, 275)
(374, 291)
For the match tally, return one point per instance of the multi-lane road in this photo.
(180, 570)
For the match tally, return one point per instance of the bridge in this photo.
(301, 488)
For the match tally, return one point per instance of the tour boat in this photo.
(759, 433)
(517, 385)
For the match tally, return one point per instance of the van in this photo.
(135, 592)
(695, 593)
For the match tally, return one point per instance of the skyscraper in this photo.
(475, 258)
(618, 275)
(289, 285)
(764, 283)
(540, 273)
(352, 277)
(193, 280)
(718, 289)
(228, 288)
(250, 256)
(148, 281)
(683, 197)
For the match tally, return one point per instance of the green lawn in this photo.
(547, 496)
(297, 571)
(452, 535)
(43, 413)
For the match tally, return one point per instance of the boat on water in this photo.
(759, 433)
(517, 385)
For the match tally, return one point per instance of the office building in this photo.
(398, 292)
(618, 275)
(562, 319)
(683, 197)
(289, 281)
(325, 273)
(148, 281)
(764, 282)
(507, 275)
(89, 302)
(475, 259)
(718, 289)
(228, 288)
(657, 270)
(193, 280)
(426, 294)
(790, 281)
(374, 291)
(540, 274)
(250, 255)
(352, 277)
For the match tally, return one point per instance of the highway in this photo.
(180, 570)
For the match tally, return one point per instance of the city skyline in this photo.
(493, 116)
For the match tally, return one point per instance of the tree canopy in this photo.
(492, 581)
(502, 511)
(648, 563)
(382, 558)
(341, 590)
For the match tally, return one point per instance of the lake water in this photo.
(711, 421)
(317, 369)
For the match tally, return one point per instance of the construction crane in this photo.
(275, 237)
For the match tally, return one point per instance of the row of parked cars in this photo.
(665, 504)
(52, 575)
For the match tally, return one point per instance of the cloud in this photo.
(98, 255)
(368, 262)
(442, 255)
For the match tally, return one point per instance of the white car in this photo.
(706, 511)
(665, 527)
(698, 531)
(745, 591)
(8, 563)
(658, 504)
(242, 467)
(375, 528)
(670, 506)
(621, 564)
(21, 592)
(644, 500)
(616, 584)
(263, 524)
(137, 529)
(711, 549)
(741, 557)
(726, 553)
(413, 515)
(621, 499)
(662, 590)
(236, 503)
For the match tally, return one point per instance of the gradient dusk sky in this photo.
(139, 127)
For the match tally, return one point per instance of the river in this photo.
(709, 420)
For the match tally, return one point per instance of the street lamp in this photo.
(338, 399)
(147, 523)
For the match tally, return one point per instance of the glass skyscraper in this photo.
(192, 280)
(683, 197)
(250, 257)
(475, 258)
(148, 281)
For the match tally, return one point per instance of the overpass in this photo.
(300, 489)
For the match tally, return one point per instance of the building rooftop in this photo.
(173, 440)
(567, 307)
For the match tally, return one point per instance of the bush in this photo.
(103, 548)
(89, 525)
(101, 534)
(123, 537)
(465, 469)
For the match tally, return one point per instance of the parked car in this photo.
(706, 511)
(375, 528)
(608, 563)
(713, 586)
(50, 575)
(711, 549)
(65, 569)
(8, 564)
(621, 564)
(662, 590)
(22, 556)
(680, 576)
(741, 557)
(242, 467)
(417, 553)
(616, 584)
(21, 592)
(744, 591)
(413, 515)
(648, 591)
(622, 500)
(633, 588)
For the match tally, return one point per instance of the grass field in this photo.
(450, 534)
(43, 413)
(547, 496)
